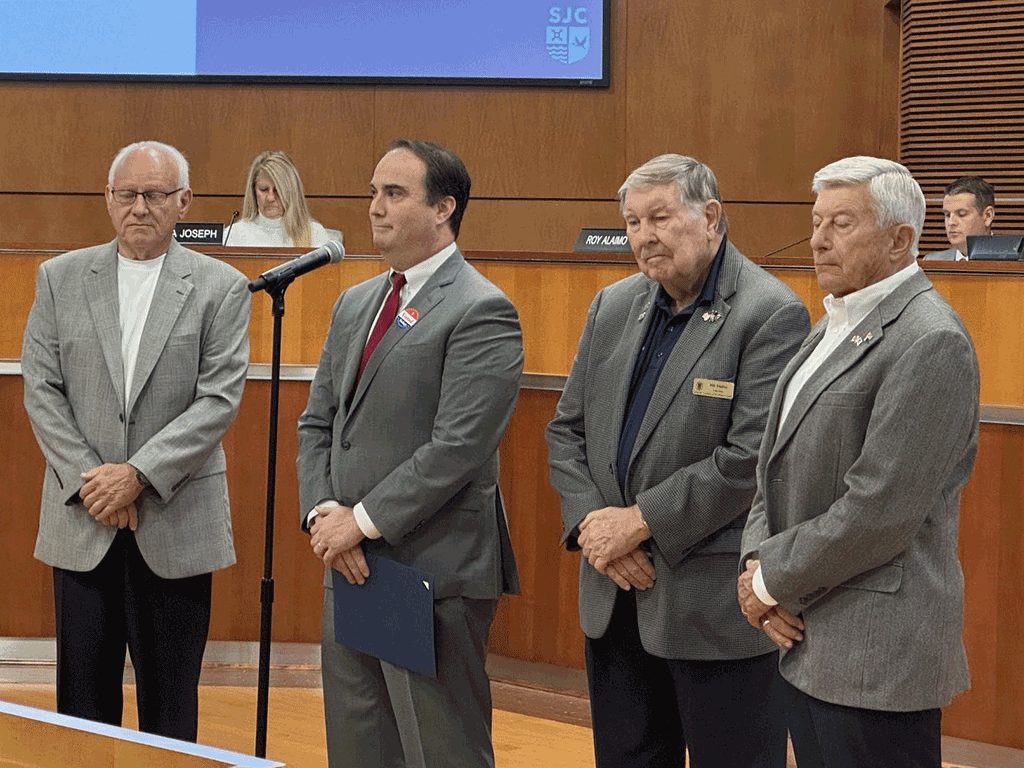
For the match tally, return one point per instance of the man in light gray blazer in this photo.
(398, 456)
(652, 450)
(134, 359)
(850, 550)
(968, 208)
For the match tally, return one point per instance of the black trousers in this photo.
(647, 711)
(834, 736)
(163, 623)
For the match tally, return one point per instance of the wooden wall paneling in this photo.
(552, 300)
(539, 143)
(45, 217)
(540, 226)
(758, 229)
(57, 136)
(28, 584)
(298, 575)
(981, 303)
(19, 271)
(991, 549)
(727, 83)
(541, 623)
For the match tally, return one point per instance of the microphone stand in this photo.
(267, 584)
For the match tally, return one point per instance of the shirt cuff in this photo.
(364, 522)
(757, 584)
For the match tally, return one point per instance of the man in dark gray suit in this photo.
(134, 357)
(968, 208)
(850, 550)
(398, 454)
(652, 450)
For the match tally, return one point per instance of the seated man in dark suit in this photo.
(968, 209)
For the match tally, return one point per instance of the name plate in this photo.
(602, 241)
(199, 232)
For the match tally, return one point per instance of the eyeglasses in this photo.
(151, 196)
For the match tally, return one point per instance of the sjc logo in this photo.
(568, 33)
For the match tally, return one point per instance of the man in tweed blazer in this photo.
(850, 550)
(134, 358)
(652, 450)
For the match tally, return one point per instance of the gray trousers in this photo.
(379, 714)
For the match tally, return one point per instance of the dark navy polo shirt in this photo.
(663, 330)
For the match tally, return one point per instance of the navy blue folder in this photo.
(390, 616)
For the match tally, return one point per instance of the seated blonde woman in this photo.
(274, 213)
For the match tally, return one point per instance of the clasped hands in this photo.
(109, 493)
(336, 539)
(782, 627)
(610, 539)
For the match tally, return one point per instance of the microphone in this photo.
(281, 275)
(779, 250)
(230, 225)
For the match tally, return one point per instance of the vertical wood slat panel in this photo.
(962, 104)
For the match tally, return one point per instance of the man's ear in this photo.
(445, 208)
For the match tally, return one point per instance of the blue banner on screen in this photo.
(458, 40)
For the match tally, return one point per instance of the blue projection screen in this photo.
(517, 42)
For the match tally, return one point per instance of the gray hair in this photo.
(696, 182)
(155, 146)
(896, 197)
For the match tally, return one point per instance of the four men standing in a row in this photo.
(701, 435)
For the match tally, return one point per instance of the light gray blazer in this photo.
(947, 255)
(692, 467)
(856, 515)
(417, 440)
(187, 386)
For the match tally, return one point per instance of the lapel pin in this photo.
(858, 340)
(711, 316)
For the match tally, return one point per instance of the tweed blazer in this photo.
(692, 466)
(857, 510)
(186, 389)
(416, 440)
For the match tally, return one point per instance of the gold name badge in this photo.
(712, 388)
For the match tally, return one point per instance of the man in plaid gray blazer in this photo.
(652, 450)
(134, 357)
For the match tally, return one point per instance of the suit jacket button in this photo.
(345, 445)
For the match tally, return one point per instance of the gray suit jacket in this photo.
(187, 386)
(947, 255)
(692, 467)
(856, 515)
(417, 439)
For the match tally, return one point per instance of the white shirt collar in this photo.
(417, 275)
(850, 309)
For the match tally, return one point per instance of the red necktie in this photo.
(385, 319)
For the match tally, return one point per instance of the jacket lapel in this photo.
(101, 293)
(851, 350)
(428, 297)
(172, 290)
